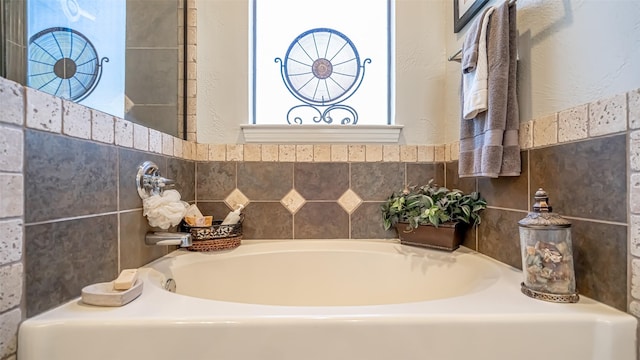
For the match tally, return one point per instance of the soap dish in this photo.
(103, 294)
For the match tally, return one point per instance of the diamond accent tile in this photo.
(293, 201)
(349, 201)
(236, 198)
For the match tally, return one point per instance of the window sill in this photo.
(314, 134)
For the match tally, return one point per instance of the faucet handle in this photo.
(150, 182)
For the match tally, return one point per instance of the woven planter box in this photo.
(444, 237)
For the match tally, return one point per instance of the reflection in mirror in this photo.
(121, 57)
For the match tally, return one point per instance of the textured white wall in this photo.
(571, 52)
(222, 65)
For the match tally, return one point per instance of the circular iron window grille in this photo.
(321, 66)
(64, 63)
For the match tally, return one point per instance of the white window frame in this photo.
(312, 134)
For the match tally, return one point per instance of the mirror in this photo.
(122, 57)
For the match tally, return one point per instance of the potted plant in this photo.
(431, 215)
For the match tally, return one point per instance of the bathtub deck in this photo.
(497, 322)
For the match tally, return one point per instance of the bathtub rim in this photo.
(510, 301)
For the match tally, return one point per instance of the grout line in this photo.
(293, 214)
(564, 216)
(118, 207)
(529, 195)
(507, 209)
(71, 218)
(349, 188)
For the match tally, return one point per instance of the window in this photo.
(77, 51)
(322, 63)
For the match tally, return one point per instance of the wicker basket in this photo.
(216, 237)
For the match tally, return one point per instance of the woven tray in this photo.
(216, 237)
(216, 244)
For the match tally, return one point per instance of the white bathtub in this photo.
(308, 300)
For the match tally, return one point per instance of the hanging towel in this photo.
(489, 142)
(475, 81)
(471, 41)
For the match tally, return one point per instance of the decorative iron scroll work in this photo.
(322, 69)
(63, 62)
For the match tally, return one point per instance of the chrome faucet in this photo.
(168, 238)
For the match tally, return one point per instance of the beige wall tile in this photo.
(178, 147)
(322, 153)
(12, 100)
(11, 195)
(9, 323)
(526, 135)
(44, 111)
(573, 123)
(545, 130)
(102, 127)
(408, 153)
(286, 153)
(235, 152)
(349, 201)
(252, 152)
(187, 150)
(270, 152)
(634, 150)
(155, 141)
(390, 153)
(339, 153)
(425, 153)
(455, 151)
(217, 152)
(11, 148)
(634, 193)
(124, 133)
(236, 198)
(634, 308)
(635, 278)
(202, 152)
(373, 153)
(11, 289)
(76, 120)
(634, 234)
(293, 201)
(439, 152)
(140, 137)
(633, 101)
(447, 152)
(304, 153)
(608, 116)
(357, 153)
(167, 144)
(10, 241)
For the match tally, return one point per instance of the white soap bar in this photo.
(126, 279)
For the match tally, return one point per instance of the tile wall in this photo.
(335, 191)
(70, 214)
(11, 215)
(153, 55)
(14, 48)
(69, 210)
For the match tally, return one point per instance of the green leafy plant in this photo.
(431, 204)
